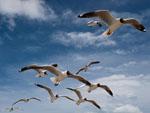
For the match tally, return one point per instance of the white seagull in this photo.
(81, 99)
(25, 100)
(52, 96)
(112, 22)
(92, 86)
(85, 68)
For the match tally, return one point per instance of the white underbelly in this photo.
(92, 88)
(115, 26)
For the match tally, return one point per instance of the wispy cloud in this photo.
(127, 93)
(82, 39)
(127, 109)
(32, 9)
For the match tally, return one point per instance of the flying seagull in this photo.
(25, 100)
(52, 96)
(81, 99)
(85, 68)
(59, 75)
(112, 22)
(91, 85)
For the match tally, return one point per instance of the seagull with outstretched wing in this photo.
(112, 22)
(25, 100)
(81, 99)
(85, 68)
(52, 96)
(90, 85)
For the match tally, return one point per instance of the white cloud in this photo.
(32, 9)
(71, 16)
(82, 39)
(127, 109)
(130, 92)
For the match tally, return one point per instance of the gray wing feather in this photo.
(47, 89)
(94, 103)
(68, 98)
(102, 14)
(34, 98)
(77, 92)
(20, 100)
(79, 78)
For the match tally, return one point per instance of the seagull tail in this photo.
(107, 33)
(53, 79)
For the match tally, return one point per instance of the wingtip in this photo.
(79, 16)
(144, 30)
(36, 84)
(111, 93)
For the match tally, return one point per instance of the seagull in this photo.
(81, 99)
(59, 75)
(52, 96)
(112, 22)
(25, 100)
(85, 68)
(91, 86)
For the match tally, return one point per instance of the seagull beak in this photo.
(56, 84)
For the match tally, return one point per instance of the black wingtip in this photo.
(36, 84)
(23, 69)
(111, 93)
(70, 88)
(55, 65)
(79, 16)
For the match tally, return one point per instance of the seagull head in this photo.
(45, 73)
(68, 72)
(57, 96)
(121, 20)
(98, 85)
(85, 98)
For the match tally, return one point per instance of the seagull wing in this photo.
(34, 98)
(81, 69)
(136, 24)
(104, 15)
(20, 100)
(106, 88)
(47, 89)
(77, 92)
(33, 66)
(93, 62)
(94, 103)
(68, 98)
(79, 78)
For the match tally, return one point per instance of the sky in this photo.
(45, 32)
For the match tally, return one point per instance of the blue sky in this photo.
(46, 32)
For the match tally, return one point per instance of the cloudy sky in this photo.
(45, 32)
